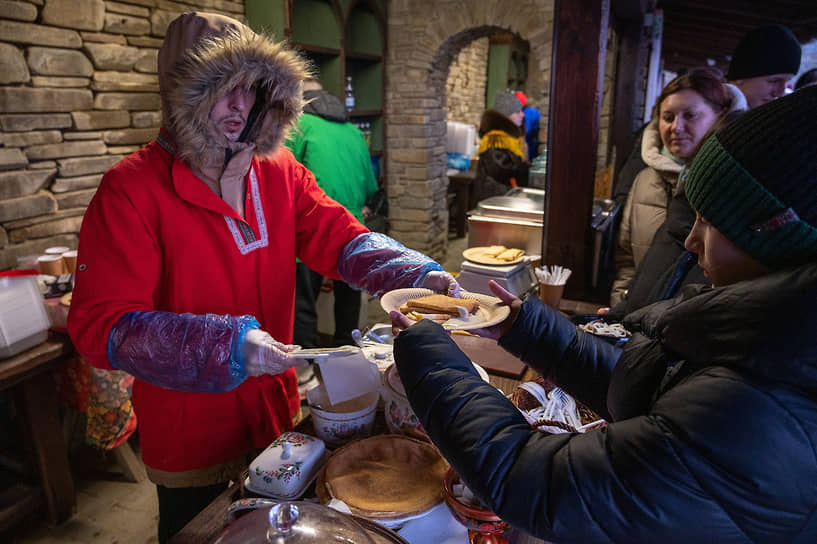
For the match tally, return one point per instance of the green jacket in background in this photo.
(335, 151)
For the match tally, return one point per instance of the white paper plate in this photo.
(491, 310)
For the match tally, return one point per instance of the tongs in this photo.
(313, 353)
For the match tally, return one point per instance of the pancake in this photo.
(384, 477)
(442, 304)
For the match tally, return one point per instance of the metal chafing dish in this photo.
(513, 220)
(516, 219)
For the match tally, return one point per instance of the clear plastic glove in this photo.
(441, 282)
(264, 355)
(377, 264)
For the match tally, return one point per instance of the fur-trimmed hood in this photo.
(203, 57)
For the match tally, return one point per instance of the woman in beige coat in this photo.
(687, 107)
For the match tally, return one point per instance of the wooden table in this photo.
(208, 524)
(36, 400)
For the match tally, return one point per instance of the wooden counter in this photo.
(36, 400)
(208, 524)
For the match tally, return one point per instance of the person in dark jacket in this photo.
(764, 62)
(502, 163)
(668, 266)
(712, 403)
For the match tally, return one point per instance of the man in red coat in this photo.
(186, 267)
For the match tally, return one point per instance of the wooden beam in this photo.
(576, 87)
(629, 10)
(630, 60)
(762, 12)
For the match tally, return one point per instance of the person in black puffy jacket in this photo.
(712, 403)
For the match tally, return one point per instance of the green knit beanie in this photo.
(756, 181)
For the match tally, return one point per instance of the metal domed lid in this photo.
(297, 523)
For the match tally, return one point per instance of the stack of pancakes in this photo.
(384, 477)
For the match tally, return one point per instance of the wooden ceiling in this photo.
(697, 30)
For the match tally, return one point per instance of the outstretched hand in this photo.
(442, 282)
(265, 355)
(509, 299)
(400, 322)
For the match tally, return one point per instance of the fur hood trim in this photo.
(222, 54)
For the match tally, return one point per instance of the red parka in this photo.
(158, 238)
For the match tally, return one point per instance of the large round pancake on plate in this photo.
(384, 477)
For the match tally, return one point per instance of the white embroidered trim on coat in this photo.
(263, 240)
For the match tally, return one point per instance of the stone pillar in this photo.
(420, 52)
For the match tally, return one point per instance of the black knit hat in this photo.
(756, 181)
(764, 51)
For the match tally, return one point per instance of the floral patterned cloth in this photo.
(104, 396)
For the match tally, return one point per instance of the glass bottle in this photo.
(350, 94)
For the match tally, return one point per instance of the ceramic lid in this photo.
(286, 468)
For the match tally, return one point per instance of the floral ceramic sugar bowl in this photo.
(286, 468)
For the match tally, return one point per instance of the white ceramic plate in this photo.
(491, 310)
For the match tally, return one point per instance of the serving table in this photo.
(208, 524)
(26, 374)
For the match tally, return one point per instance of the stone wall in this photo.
(78, 91)
(420, 53)
(465, 86)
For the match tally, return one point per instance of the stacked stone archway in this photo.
(421, 50)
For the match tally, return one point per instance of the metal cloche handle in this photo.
(282, 517)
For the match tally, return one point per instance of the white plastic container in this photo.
(23, 319)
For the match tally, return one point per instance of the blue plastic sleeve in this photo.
(185, 352)
(377, 264)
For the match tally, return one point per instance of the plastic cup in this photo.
(551, 294)
(58, 250)
(70, 258)
(52, 265)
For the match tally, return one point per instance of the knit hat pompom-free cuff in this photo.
(756, 181)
